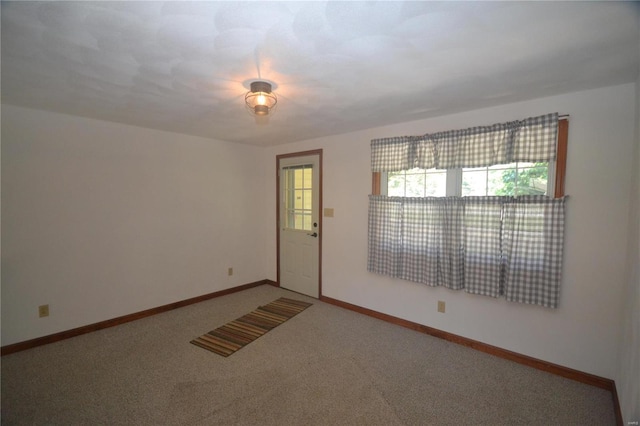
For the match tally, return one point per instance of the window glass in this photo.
(503, 179)
(506, 179)
(417, 183)
(298, 197)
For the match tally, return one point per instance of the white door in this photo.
(299, 224)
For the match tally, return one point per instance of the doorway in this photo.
(299, 203)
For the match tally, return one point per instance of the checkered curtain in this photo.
(385, 235)
(532, 140)
(483, 245)
(494, 246)
(432, 241)
(532, 249)
(401, 153)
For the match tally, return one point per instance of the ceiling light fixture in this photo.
(260, 99)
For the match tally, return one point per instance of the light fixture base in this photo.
(260, 86)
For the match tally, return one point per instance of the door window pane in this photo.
(298, 188)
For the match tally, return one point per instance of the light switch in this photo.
(328, 212)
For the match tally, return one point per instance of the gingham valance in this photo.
(532, 140)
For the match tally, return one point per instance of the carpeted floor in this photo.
(326, 366)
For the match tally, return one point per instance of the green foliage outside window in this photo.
(526, 181)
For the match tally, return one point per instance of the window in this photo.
(512, 179)
(507, 179)
(417, 183)
(479, 210)
(519, 178)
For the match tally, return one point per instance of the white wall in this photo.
(583, 332)
(101, 220)
(628, 373)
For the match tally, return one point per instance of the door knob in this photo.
(315, 234)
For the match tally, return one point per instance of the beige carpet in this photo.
(329, 366)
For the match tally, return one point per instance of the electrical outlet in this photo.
(441, 306)
(230, 271)
(43, 311)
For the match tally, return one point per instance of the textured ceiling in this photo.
(335, 66)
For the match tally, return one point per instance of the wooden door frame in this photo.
(317, 152)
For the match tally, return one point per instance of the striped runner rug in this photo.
(233, 336)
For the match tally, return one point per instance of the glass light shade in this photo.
(260, 100)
